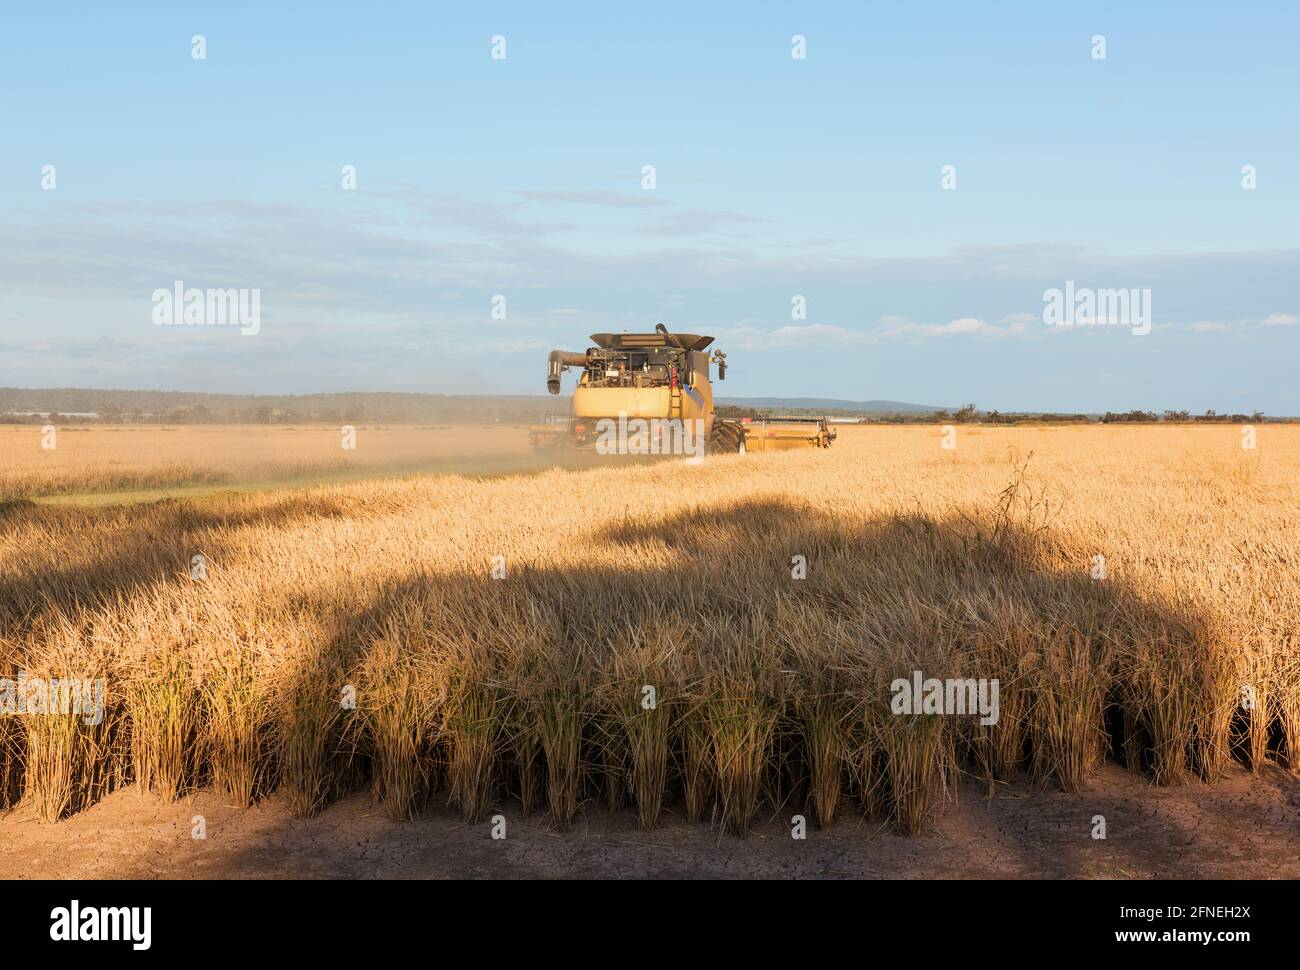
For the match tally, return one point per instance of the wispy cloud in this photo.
(697, 222)
(1015, 325)
(392, 288)
(1239, 326)
(595, 197)
(751, 337)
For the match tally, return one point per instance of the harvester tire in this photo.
(727, 438)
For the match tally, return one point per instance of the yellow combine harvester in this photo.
(651, 393)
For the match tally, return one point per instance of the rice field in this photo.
(711, 642)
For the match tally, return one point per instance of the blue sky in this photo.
(775, 177)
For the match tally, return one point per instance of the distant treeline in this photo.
(970, 414)
(1210, 416)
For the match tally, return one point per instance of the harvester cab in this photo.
(657, 383)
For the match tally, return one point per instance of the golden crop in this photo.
(648, 642)
(155, 459)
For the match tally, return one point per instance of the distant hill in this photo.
(18, 404)
(26, 404)
(831, 404)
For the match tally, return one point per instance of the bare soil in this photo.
(1242, 827)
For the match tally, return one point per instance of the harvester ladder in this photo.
(675, 398)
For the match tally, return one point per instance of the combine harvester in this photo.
(659, 382)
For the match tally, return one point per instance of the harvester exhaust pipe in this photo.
(556, 361)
